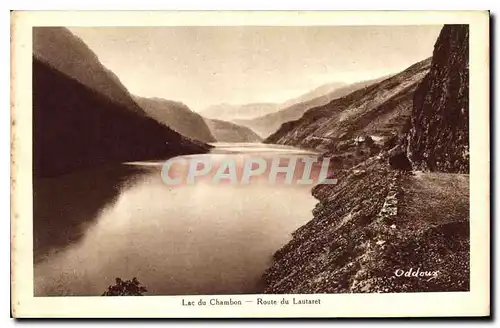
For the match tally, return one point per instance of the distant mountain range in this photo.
(83, 116)
(228, 112)
(315, 93)
(180, 118)
(251, 111)
(270, 123)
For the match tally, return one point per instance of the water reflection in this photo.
(64, 207)
(191, 239)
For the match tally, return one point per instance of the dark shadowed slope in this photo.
(442, 144)
(177, 116)
(294, 109)
(75, 126)
(230, 132)
(379, 110)
(62, 50)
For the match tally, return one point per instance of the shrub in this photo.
(125, 288)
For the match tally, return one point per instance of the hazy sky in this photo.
(203, 66)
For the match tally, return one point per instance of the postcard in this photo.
(239, 164)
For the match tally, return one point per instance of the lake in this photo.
(125, 221)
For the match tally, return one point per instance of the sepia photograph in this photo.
(258, 167)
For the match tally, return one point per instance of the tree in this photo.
(125, 288)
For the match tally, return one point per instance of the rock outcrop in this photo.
(439, 135)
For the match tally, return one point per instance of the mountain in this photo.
(242, 114)
(378, 110)
(180, 118)
(75, 127)
(442, 144)
(383, 229)
(315, 93)
(62, 50)
(267, 124)
(177, 116)
(228, 112)
(230, 132)
(85, 118)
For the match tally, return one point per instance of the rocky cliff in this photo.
(439, 135)
(382, 229)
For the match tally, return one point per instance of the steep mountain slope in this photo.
(228, 112)
(382, 229)
(75, 126)
(374, 222)
(270, 123)
(379, 110)
(231, 132)
(62, 50)
(177, 116)
(442, 144)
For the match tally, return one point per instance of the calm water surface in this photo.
(124, 221)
